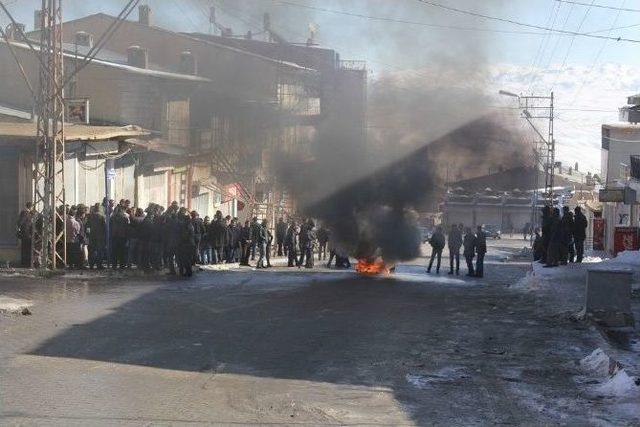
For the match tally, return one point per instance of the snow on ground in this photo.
(13, 305)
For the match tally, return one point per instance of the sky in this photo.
(590, 77)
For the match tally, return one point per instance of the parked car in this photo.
(492, 231)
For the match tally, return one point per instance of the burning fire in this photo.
(372, 266)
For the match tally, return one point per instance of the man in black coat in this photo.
(292, 243)
(437, 242)
(454, 243)
(555, 239)
(579, 232)
(481, 250)
(566, 235)
(469, 243)
(310, 238)
(546, 232)
(24, 231)
(245, 243)
(281, 235)
(218, 238)
(185, 248)
(198, 232)
(95, 229)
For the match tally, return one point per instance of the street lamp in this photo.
(507, 93)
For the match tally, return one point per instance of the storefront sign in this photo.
(624, 195)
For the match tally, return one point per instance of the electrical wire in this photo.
(597, 58)
(543, 43)
(521, 24)
(601, 6)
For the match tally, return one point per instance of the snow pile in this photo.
(620, 384)
(592, 259)
(599, 364)
(13, 305)
(628, 257)
(616, 381)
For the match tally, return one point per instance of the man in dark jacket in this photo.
(256, 229)
(218, 237)
(281, 235)
(579, 232)
(566, 236)
(546, 232)
(24, 229)
(235, 233)
(309, 243)
(454, 243)
(198, 232)
(437, 242)
(469, 243)
(245, 243)
(292, 243)
(481, 250)
(323, 239)
(259, 233)
(555, 239)
(119, 227)
(185, 250)
(95, 230)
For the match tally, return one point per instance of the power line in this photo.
(522, 24)
(601, 6)
(420, 23)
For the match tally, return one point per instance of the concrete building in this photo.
(86, 182)
(620, 168)
(506, 198)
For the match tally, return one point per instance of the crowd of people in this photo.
(473, 245)
(560, 239)
(121, 236)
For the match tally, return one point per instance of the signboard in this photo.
(625, 239)
(624, 195)
(622, 215)
(598, 234)
(77, 110)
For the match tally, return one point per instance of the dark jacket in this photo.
(260, 234)
(281, 231)
(218, 233)
(95, 228)
(437, 240)
(292, 241)
(198, 228)
(234, 234)
(580, 227)
(455, 239)
(481, 242)
(119, 224)
(469, 243)
(323, 235)
(566, 228)
(186, 240)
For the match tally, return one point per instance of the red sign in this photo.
(625, 239)
(598, 234)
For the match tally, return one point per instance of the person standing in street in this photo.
(95, 230)
(185, 248)
(555, 239)
(579, 232)
(259, 233)
(24, 229)
(469, 243)
(323, 239)
(481, 250)
(245, 244)
(281, 235)
(437, 242)
(198, 232)
(454, 243)
(309, 243)
(292, 242)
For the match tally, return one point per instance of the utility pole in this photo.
(540, 107)
(49, 231)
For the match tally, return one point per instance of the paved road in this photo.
(293, 347)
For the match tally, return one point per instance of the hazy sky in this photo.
(585, 73)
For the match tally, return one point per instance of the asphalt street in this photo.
(295, 347)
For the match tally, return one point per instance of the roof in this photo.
(621, 125)
(73, 132)
(185, 36)
(125, 67)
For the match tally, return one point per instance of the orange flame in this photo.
(372, 266)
